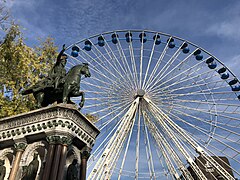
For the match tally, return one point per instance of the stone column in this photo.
(56, 157)
(20, 147)
(50, 154)
(55, 165)
(83, 167)
(66, 141)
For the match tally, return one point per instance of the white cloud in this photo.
(229, 29)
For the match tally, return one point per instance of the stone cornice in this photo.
(55, 119)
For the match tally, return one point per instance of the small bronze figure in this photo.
(30, 172)
(2, 169)
(72, 171)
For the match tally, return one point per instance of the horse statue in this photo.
(70, 87)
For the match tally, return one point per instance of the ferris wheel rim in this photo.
(155, 32)
(167, 35)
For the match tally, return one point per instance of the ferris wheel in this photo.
(166, 108)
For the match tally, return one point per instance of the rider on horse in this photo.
(47, 91)
(55, 75)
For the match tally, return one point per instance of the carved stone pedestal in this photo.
(59, 135)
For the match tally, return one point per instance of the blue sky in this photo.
(213, 25)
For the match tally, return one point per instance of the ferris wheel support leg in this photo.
(160, 138)
(173, 137)
(190, 141)
(104, 166)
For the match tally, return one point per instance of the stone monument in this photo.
(38, 144)
(56, 133)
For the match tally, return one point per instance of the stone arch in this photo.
(27, 157)
(8, 157)
(73, 153)
(31, 148)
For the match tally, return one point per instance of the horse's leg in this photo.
(39, 97)
(79, 93)
(81, 104)
(66, 90)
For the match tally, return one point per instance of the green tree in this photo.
(20, 67)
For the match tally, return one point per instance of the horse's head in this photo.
(85, 70)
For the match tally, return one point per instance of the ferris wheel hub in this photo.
(140, 93)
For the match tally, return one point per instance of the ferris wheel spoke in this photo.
(150, 83)
(169, 62)
(113, 85)
(101, 104)
(151, 76)
(189, 78)
(201, 102)
(73, 60)
(211, 135)
(225, 154)
(125, 62)
(204, 92)
(101, 63)
(110, 64)
(198, 86)
(197, 93)
(113, 56)
(100, 93)
(104, 69)
(166, 66)
(101, 75)
(149, 62)
(141, 61)
(121, 66)
(186, 76)
(210, 112)
(96, 86)
(100, 81)
(112, 119)
(215, 150)
(219, 123)
(168, 161)
(133, 63)
(166, 172)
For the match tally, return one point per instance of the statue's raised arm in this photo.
(58, 72)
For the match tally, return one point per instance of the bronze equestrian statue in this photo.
(59, 86)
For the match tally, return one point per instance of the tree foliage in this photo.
(91, 117)
(20, 67)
